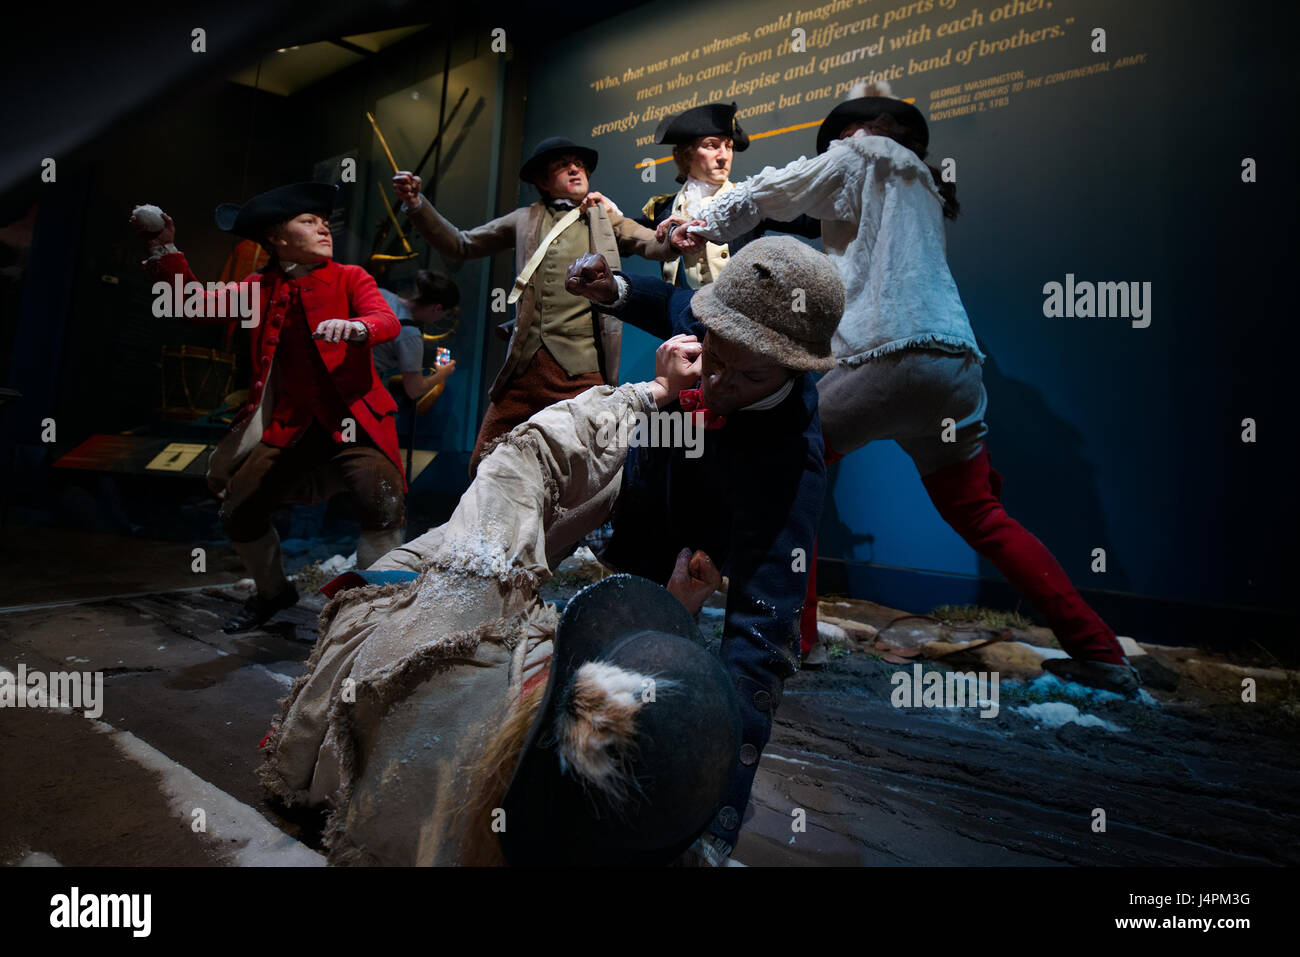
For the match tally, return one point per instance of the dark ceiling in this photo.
(69, 77)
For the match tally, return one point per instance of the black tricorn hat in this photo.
(711, 119)
(866, 108)
(685, 745)
(275, 206)
(551, 148)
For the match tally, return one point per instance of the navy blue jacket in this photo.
(752, 501)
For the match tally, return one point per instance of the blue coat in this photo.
(753, 502)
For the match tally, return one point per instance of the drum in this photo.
(195, 380)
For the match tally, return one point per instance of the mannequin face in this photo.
(566, 178)
(711, 160)
(732, 377)
(304, 239)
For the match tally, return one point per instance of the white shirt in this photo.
(882, 226)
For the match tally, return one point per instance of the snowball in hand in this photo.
(148, 216)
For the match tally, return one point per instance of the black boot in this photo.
(257, 610)
(1121, 679)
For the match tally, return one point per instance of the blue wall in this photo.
(1109, 436)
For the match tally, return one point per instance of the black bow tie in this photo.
(560, 204)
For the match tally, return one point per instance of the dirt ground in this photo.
(1190, 774)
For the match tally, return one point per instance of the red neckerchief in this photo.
(691, 402)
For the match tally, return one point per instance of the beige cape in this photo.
(407, 681)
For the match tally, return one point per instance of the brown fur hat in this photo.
(777, 297)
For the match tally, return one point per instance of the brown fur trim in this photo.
(596, 728)
(272, 779)
(489, 779)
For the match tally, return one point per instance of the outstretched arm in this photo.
(637, 240)
(814, 186)
(565, 461)
(451, 241)
(166, 264)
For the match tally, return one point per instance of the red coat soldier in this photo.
(318, 420)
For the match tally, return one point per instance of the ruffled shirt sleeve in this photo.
(823, 187)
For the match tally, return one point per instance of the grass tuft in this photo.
(983, 617)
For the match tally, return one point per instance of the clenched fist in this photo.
(677, 367)
(694, 579)
(591, 278)
(592, 198)
(407, 186)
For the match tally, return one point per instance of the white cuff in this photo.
(617, 305)
(161, 250)
(419, 201)
(709, 231)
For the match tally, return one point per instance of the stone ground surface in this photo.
(1191, 776)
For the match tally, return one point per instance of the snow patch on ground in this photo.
(833, 634)
(1054, 687)
(581, 558)
(251, 839)
(1054, 714)
(39, 859)
(336, 565)
(770, 756)
(1040, 650)
(1131, 647)
(280, 679)
(1050, 686)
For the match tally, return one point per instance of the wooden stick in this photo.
(383, 142)
(393, 217)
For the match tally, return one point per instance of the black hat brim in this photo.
(866, 108)
(255, 217)
(535, 168)
(601, 615)
(711, 119)
(635, 620)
